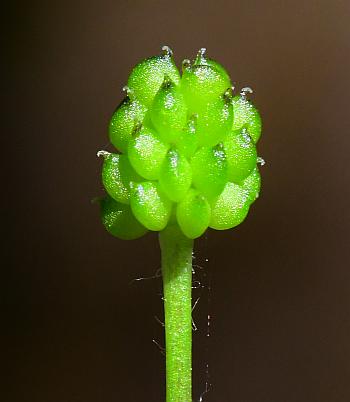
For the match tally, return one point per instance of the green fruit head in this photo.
(187, 151)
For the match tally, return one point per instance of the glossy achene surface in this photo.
(186, 151)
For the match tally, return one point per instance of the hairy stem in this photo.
(176, 252)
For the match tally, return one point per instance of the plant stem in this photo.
(176, 252)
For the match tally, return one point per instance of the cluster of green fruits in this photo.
(186, 150)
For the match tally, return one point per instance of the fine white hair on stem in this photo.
(195, 303)
(158, 274)
(159, 321)
(161, 348)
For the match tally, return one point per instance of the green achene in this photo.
(202, 84)
(185, 161)
(241, 155)
(146, 78)
(209, 169)
(246, 115)
(252, 184)
(193, 214)
(117, 174)
(229, 208)
(122, 123)
(119, 220)
(146, 152)
(187, 143)
(169, 111)
(150, 205)
(215, 120)
(175, 175)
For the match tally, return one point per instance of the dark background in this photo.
(79, 331)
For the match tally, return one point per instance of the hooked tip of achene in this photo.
(186, 64)
(127, 90)
(167, 51)
(245, 91)
(103, 153)
(201, 56)
(261, 161)
(201, 52)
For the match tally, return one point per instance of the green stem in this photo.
(177, 283)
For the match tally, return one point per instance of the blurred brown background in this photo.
(79, 331)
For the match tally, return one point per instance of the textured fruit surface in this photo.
(175, 175)
(147, 77)
(209, 170)
(117, 173)
(252, 185)
(230, 208)
(187, 143)
(246, 115)
(215, 121)
(241, 155)
(193, 214)
(169, 111)
(150, 206)
(119, 220)
(187, 150)
(203, 60)
(122, 123)
(202, 84)
(146, 153)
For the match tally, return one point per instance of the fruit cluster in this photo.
(186, 150)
